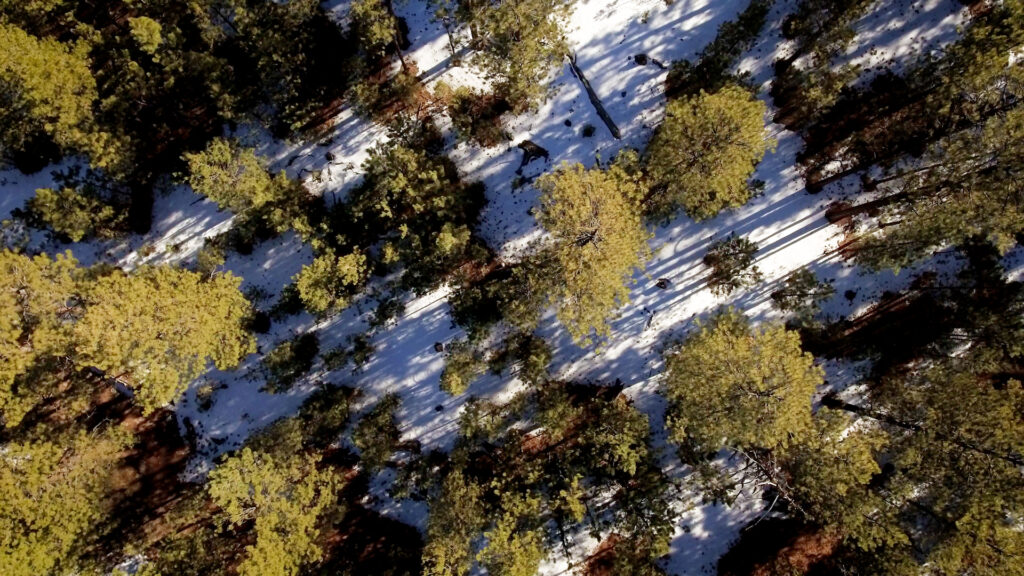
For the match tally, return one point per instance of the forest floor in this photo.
(787, 223)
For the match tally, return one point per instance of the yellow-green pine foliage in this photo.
(232, 176)
(514, 549)
(377, 434)
(36, 302)
(52, 494)
(326, 284)
(962, 463)
(375, 25)
(730, 384)
(521, 42)
(702, 155)
(44, 86)
(285, 498)
(71, 213)
(463, 364)
(830, 469)
(159, 326)
(967, 186)
(147, 33)
(598, 242)
(456, 518)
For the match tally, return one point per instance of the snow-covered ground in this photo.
(786, 222)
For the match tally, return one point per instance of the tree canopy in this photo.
(598, 242)
(745, 387)
(702, 155)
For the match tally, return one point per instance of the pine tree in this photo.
(284, 498)
(71, 214)
(159, 326)
(52, 494)
(326, 285)
(37, 298)
(376, 26)
(46, 87)
(519, 43)
(377, 434)
(456, 517)
(702, 155)
(747, 387)
(597, 243)
(732, 266)
(802, 295)
(966, 186)
(232, 176)
(515, 544)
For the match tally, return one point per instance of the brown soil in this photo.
(601, 562)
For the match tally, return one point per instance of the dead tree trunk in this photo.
(594, 99)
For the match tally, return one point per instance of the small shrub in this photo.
(377, 434)
(802, 294)
(588, 130)
(258, 322)
(358, 348)
(73, 215)
(463, 364)
(476, 116)
(732, 265)
(204, 396)
(336, 357)
(325, 414)
(362, 350)
(288, 304)
(388, 309)
(209, 259)
(289, 361)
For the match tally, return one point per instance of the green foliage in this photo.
(802, 295)
(46, 88)
(34, 298)
(160, 326)
(232, 176)
(375, 25)
(597, 243)
(463, 364)
(326, 285)
(52, 494)
(73, 215)
(712, 72)
(147, 33)
(965, 186)
(290, 360)
(456, 517)
(209, 259)
(476, 116)
(739, 386)
(283, 498)
(731, 261)
(515, 545)
(702, 155)
(830, 470)
(237, 180)
(156, 328)
(377, 434)
(515, 479)
(519, 43)
(413, 203)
